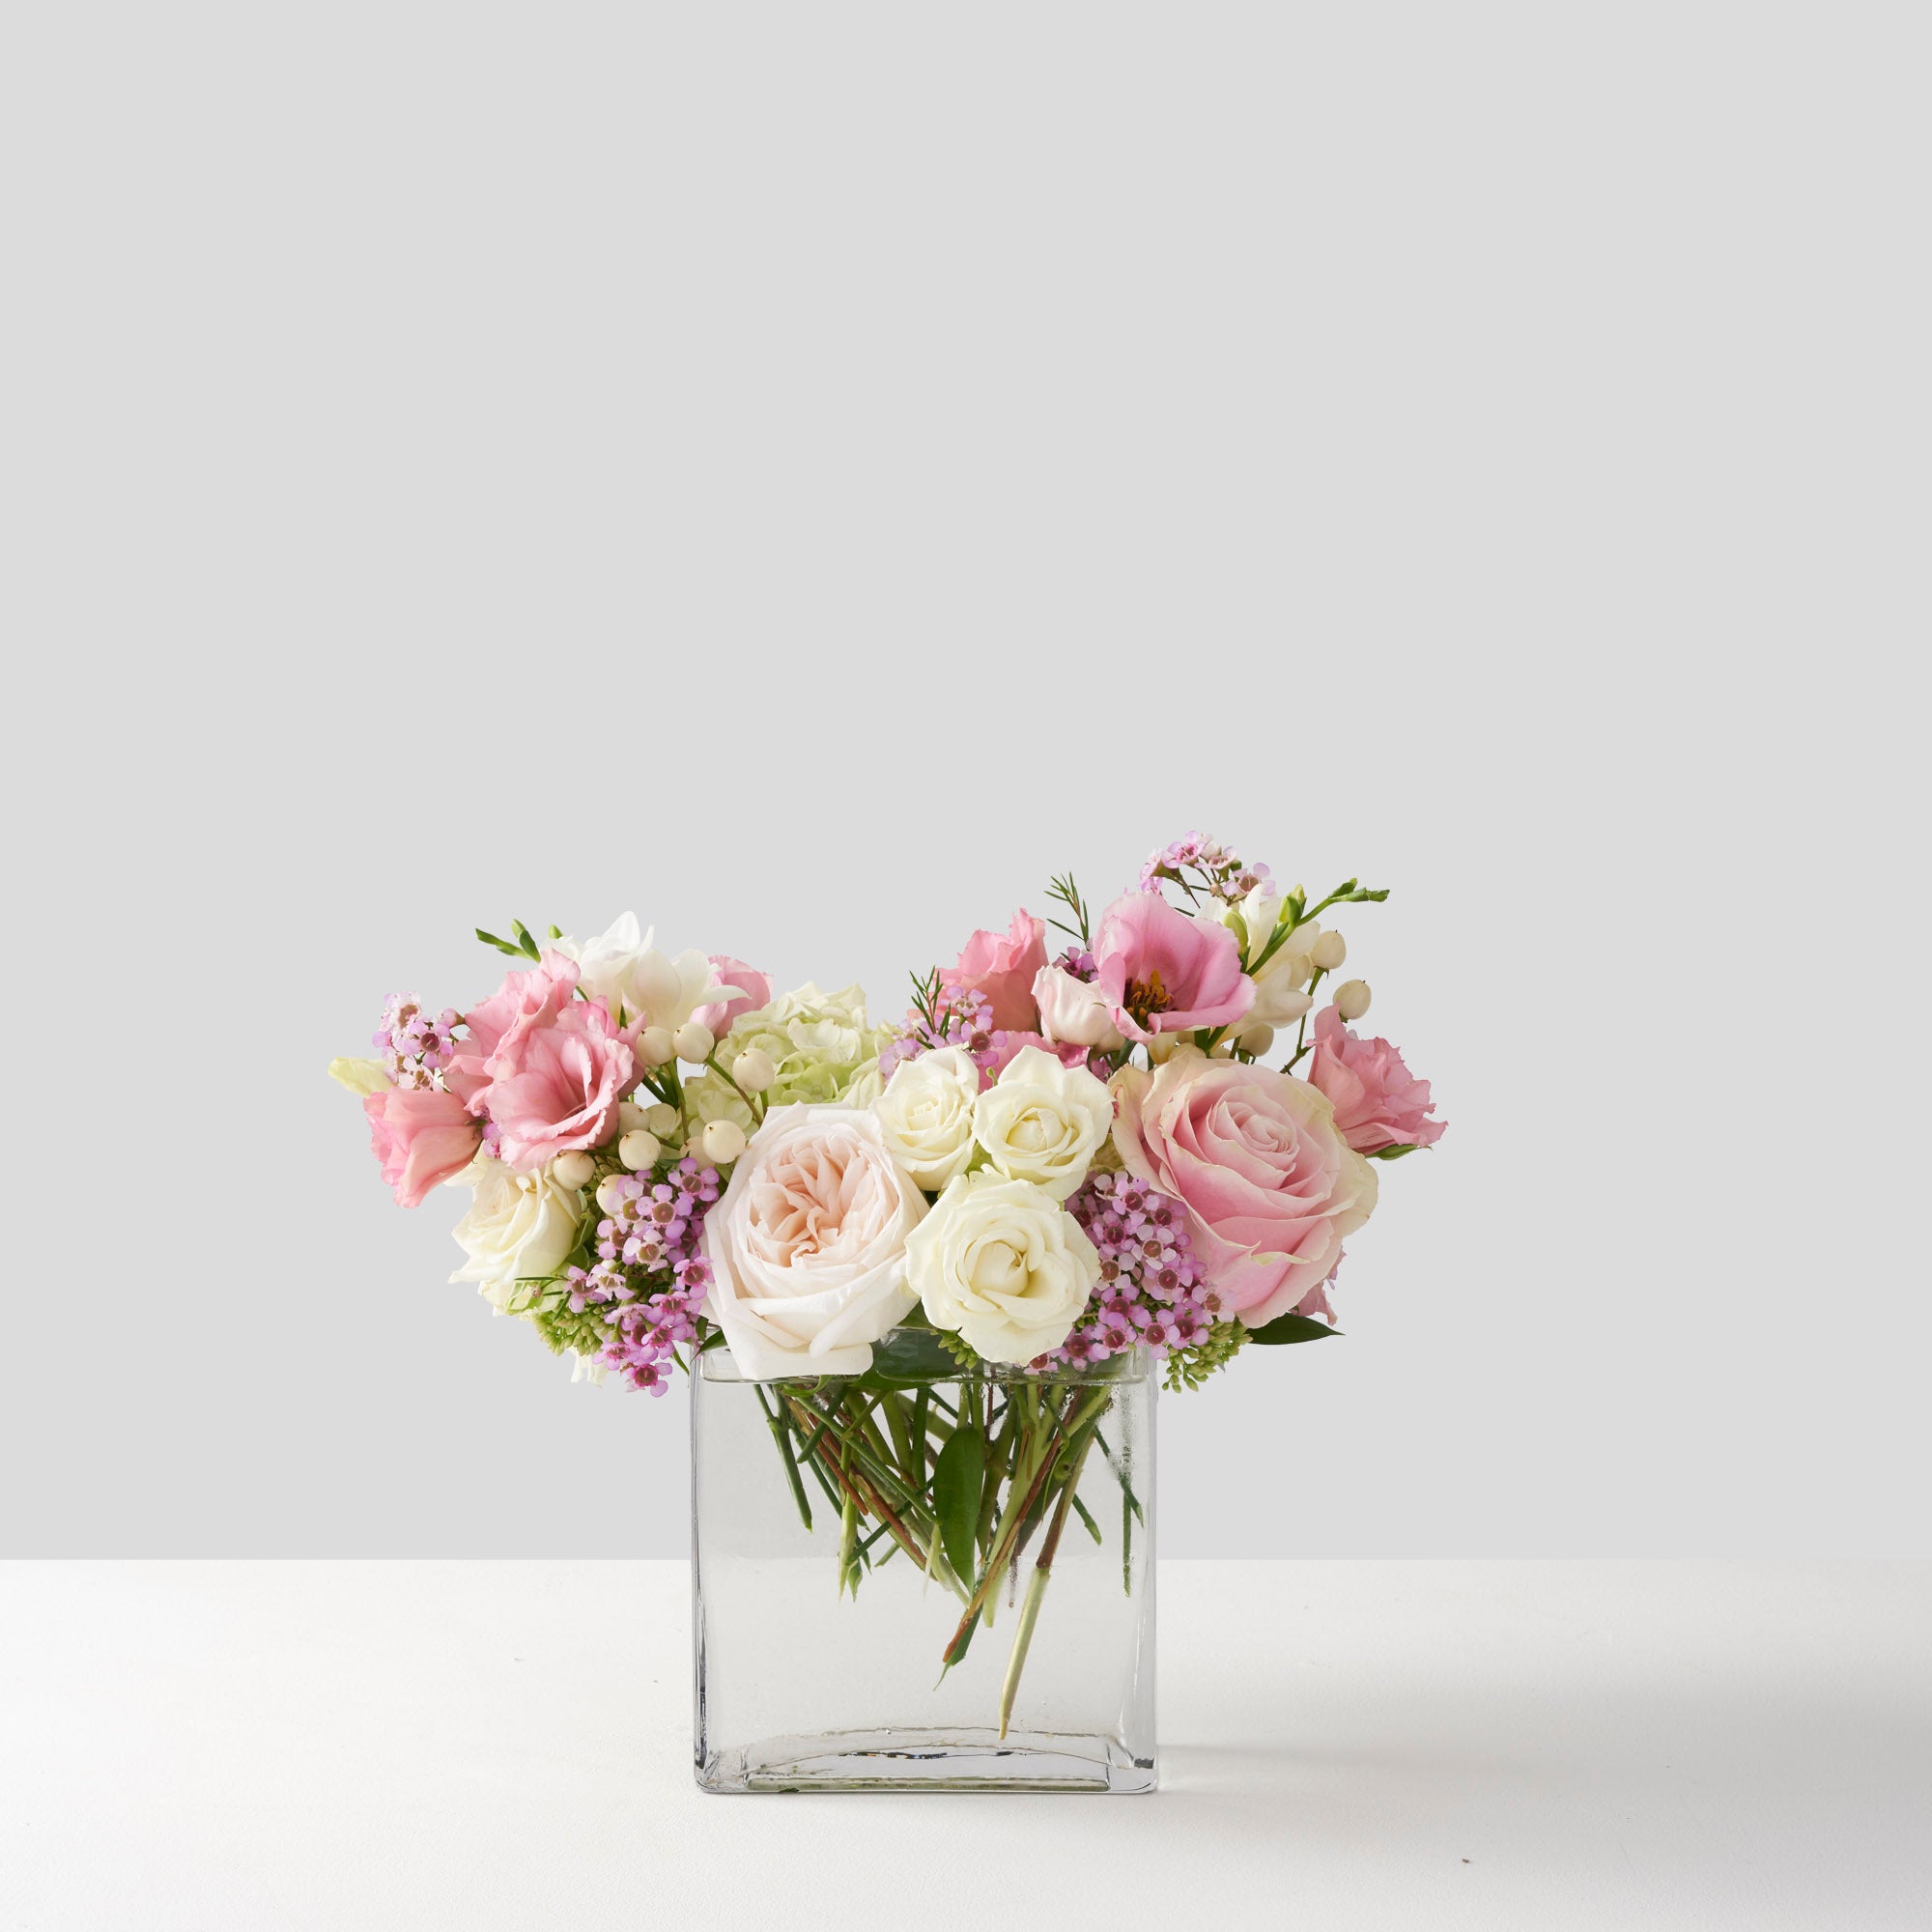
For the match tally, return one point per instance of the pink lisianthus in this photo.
(1378, 1102)
(532, 998)
(422, 1135)
(754, 991)
(555, 1087)
(1271, 1188)
(1162, 972)
(1003, 966)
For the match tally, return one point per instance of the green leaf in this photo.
(523, 940)
(501, 945)
(1291, 1328)
(908, 1357)
(955, 1495)
(1393, 1153)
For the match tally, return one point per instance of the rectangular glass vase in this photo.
(853, 1655)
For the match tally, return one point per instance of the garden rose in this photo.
(1041, 1121)
(1271, 1186)
(749, 991)
(1003, 1264)
(807, 1244)
(553, 1087)
(1073, 1012)
(927, 1114)
(1003, 966)
(521, 1227)
(422, 1135)
(1377, 1102)
(1161, 971)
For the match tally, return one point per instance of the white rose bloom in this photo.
(927, 1114)
(1041, 1121)
(1005, 1265)
(639, 984)
(807, 1244)
(520, 1226)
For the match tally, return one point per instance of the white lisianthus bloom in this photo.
(638, 985)
(1281, 992)
(520, 1226)
(807, 1244)
(1041, 1121)
(1073, 1011)
(361, 1076)
(927, 1114)
(1003, 1264)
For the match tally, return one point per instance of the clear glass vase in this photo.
(880, 1607)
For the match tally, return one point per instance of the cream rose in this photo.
(1005, 1265)
(520, 1227)
(927, 1114)
(807, 1244)
(1041, 1121)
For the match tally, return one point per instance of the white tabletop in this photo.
(1556, 1745)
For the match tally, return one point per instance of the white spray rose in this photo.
(520, 1226)
(927, 1114)
(807, 1244)
(1041, 1121)
(639, 984)
(1005, 1265)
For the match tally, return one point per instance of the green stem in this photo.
(775, 1419)
(1037, 1586)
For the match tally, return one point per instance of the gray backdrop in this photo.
(809, 475)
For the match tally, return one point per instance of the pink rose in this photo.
(754, 991)
(1003, 966)
(554, 1084)
(1162, 972)
(422, 1135)
(527, 999)
(1377, 1102)
(1271, 1188)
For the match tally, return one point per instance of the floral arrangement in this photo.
(931, 1247)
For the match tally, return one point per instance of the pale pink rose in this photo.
(1073, 1012)
(1271, 1188)
(753, 991)
(422, 1135)
(554, 1086)
(1003, 966)
(1377, 1102)
(806, 1244)
(1162, 972)
(531, 998)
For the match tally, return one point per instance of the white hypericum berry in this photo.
(1257, 1040)
(639, 1150)
(724, 1141)
(610, 1191)
(1329, 951)
(630, 1115)
(655, 1048)
(1352, 999)
(754, 1069)
(573, 1169)
(662, 1119)
(695, 1042)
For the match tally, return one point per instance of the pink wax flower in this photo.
(1377, 1102)
(1271, 1187)
(754, 991)
(1003, 967)
(532, 998)
(422, 1135)
(554, 1085)
(1162, 972)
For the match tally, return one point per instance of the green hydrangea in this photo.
(826, 1052)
